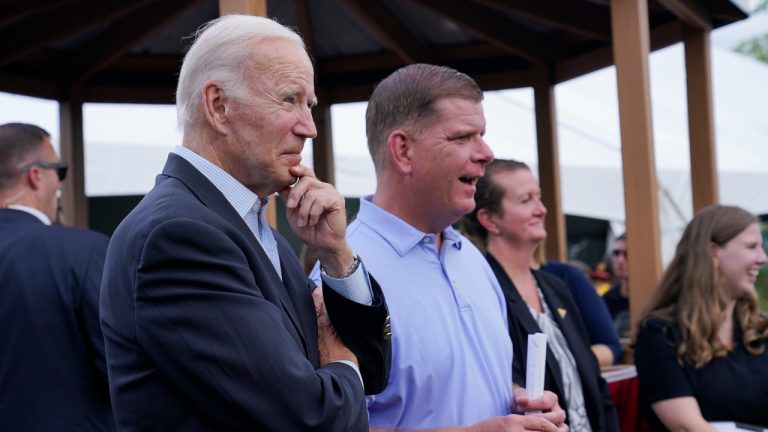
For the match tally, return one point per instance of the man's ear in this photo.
(400, 148)
(33, 178)
(486, 219)
(215, 106)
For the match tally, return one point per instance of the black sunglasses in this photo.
(61, 168)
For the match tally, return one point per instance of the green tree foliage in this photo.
(756, 47)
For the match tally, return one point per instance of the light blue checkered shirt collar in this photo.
(239, 196)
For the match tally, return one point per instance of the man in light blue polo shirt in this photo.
(451, 352)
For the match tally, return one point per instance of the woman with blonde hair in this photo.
(700, 349)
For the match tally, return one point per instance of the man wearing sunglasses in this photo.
(52, 368)
(617, 298)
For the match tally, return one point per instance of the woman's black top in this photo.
(732, 388)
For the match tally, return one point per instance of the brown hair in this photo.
(19, 142)
(488, 196)
(689, 294)
(406, 100)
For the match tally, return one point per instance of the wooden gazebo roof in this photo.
(130, 50)
(79, 51)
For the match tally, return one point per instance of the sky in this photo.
(587, 110)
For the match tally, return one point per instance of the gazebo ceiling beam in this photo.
(490, 25)
(35, 32)
(583, 18)
(305, 28)
(28, 86)
(170, 64)
(391, 29)
(726, 11)
(486, 80)
(661, 37)
(148, 63)
(15, 9)
(691, 12)
(391, 61)
(128, 30)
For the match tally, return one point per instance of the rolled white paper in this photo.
(535, 366)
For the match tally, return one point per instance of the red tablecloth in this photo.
(623, 386)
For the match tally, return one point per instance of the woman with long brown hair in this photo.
(700, 349)
(508, 223)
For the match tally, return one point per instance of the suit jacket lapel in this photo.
(559, 313)
(297, 288)
(515, 302)
(272, 287)
(519, 308)
(555, 306)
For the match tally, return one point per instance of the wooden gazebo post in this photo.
(244, 7)
(74, 203)
(701, 130)
(322, 145)
(698, 71)
(549, 164)
(629, 19)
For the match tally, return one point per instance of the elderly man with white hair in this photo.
(209, 322)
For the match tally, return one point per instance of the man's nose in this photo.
(306, 125)
(484, 152)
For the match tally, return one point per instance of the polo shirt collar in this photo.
(399, 234)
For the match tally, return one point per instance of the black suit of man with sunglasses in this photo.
(52, 368)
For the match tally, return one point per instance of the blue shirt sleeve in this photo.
(592, 308)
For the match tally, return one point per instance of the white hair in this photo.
(221, 52)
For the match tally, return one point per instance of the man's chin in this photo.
(466, 208)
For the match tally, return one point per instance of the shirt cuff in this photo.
(355, 287)
(353, 366)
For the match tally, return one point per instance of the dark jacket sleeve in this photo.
(207, 326)
(90, 287)
(594, 311)
(366, 331)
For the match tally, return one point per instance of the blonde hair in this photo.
(689, 294)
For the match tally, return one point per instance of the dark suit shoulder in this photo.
(59, 233)
(76, 237)
(64, 244)
(169, 200)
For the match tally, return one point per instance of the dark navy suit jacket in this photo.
(201, 333)
(600, 410)
(52, 370)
